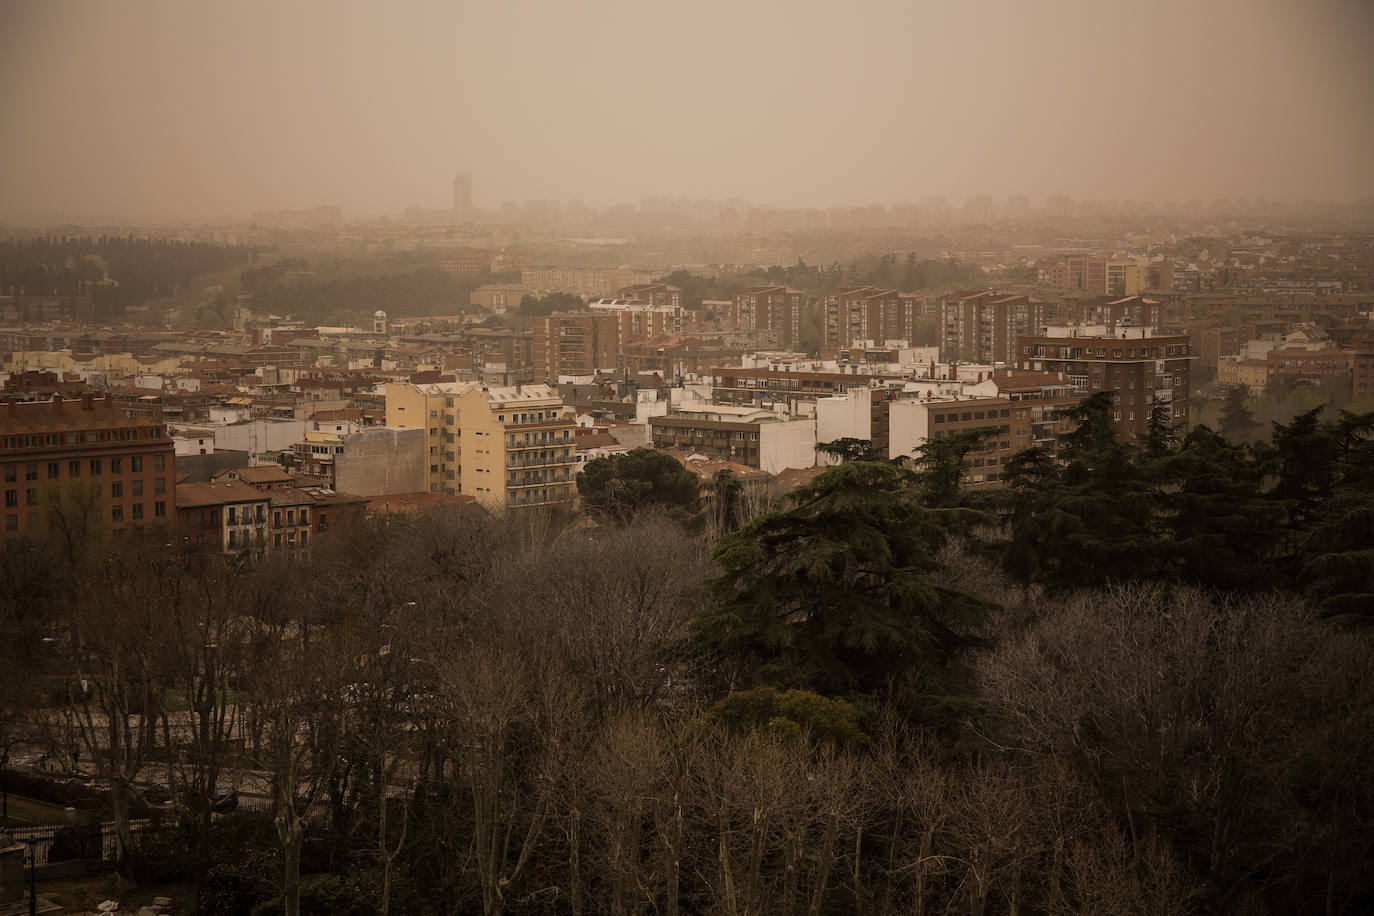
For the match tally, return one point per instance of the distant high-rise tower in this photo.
(462, 198)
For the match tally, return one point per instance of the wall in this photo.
(908, 425)
(382, 462)
(790, 444)
(259, 435)
(847, 417)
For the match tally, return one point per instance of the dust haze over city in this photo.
(716, 458)
(154, 111)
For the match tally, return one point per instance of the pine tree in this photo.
(834, 594)
(1088, 520)
(1222, 530)
(1237, 422)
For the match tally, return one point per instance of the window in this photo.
(116, 465)
(11, 499)
(116, 513)
(54, 470)
(159, 509)
(30, 472)
(11, 523)
(160, 486)
(159, 462)
(138, 511)
(233, 515)
(138, 488)
(305, 537)
(276, 519)
(73, 468)
(30, 497)
(276, 540)
(11, 473)
(136, 464)
(117, 489)
(95, 465)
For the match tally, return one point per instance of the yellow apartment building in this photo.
(509, 447)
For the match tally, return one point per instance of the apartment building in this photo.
(299, 515)
(466, 262)
(869, 313)
(1016, 409)
(83, 456)
(1132, 311)
(575, 344)
(745, 435)
(1010, 423)
(517, 447)
(508, 447)
(587, 282)
(224, 515)
(639, 320)
(1138, 364)
(982, 327)
(768, 308)
(1308, 365)
(1127, 278)
(659, 294)
(736, 385)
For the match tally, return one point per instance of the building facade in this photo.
(83, 456)
(575, 344)
(1137, 364)
(768, 308)
(508, 447)
(869, 313)
(982, 327)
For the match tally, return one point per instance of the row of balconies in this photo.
(534, 461)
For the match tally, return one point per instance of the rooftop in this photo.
(216, 493)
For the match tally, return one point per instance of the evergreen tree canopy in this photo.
(1221, 530)
(834, 594)
(1087, 519)
(851, 449)
(621, 485)
(1237, 422)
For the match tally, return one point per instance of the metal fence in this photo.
(81, 837)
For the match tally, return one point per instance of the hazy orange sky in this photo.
(140, 110)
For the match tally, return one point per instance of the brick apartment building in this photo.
(83, 456)
(1137, 364)
(466, 262)
(575, 343)
(982, 327)
(1302, 365)
(869, 313)
(768, 308)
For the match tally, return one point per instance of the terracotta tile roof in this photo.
(405, 503)
(266, 473)
(216, 493)
(66, 415)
